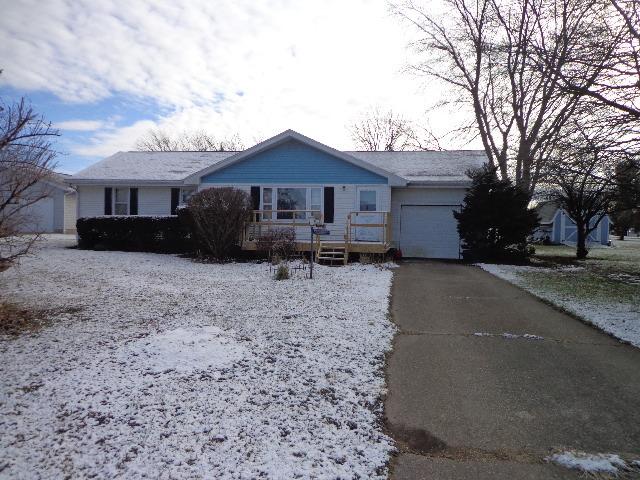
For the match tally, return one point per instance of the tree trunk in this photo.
(581, 246)
(621, 237)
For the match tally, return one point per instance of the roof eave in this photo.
(125, 181)
(439, 183)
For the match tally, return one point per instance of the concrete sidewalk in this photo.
(467, 406)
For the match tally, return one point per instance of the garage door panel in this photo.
(429, 231)
(38, 217)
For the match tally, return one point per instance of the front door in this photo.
(368, 214)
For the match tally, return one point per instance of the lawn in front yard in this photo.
(154, 366)
(604, 289)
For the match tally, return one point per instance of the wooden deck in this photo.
(379, 226)
(354, 247)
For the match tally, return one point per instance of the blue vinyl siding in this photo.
(555, 237)
(571, 231)
(604, 230)
(294, 163)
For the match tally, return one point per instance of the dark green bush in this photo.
(134, 234)
(495, 220)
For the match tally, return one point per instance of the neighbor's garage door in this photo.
(38, 217)
(429, 231)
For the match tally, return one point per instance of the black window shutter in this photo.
(328, 204)
(133, 201)
(255, 198)
(107, 201)
(175, 199)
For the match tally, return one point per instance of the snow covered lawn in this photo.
(603, 290)
(166, 368)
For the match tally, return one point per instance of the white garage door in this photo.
(38, 217)
(429, 231)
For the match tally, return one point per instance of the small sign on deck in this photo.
(320, 231)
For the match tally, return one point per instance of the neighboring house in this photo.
(49, 214)
(369, 201)
(556, 226)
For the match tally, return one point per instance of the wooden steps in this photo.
(332, 254)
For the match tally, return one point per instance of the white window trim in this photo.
(193, 191)
(274, 197)
(113, 201)
(365, 189)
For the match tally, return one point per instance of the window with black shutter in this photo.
(328, 204)
(107, 201)
(133, 201)
(175, 200)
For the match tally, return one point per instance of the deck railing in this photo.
(264, 221)
(361, 227)
(367, 226)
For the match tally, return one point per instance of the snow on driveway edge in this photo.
(611, 318)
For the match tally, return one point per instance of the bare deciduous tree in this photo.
(582, 176)
(501, 59)
(617, 83)
(391, 132)
(27, 160)
(197, 141)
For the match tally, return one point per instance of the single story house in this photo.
(369, 201)
(556, 226)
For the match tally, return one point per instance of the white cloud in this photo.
(310, 66)
(80, 125)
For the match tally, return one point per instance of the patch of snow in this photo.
(592, 463)
(184, 350)
(526, 336)
(160, 367)
(622, 320)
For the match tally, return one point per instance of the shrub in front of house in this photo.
(216, 217)
(164, 234)
(495, 220)
(278, 243)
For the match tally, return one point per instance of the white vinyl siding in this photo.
(154, 200)
(90, 201)
(151, 200)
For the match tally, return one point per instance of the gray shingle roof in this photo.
(426, 167)
(546, 211)
(167, 167)
(150, 166)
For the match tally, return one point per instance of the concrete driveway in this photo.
(468, 406)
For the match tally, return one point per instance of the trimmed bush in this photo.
(133, 234)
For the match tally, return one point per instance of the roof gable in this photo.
(348, 169)
(293, 162)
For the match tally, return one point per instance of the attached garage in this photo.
(429, 231)
(423, 221)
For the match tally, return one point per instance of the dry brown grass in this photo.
(15, 319)
(19, 319)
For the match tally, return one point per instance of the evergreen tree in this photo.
(495, 220)
(626, 206)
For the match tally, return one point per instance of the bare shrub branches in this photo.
(218, 216)
(27, 160)
(196, 141)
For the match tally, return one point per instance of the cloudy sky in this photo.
(107, 71)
